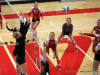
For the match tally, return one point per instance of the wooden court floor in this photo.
(81, 22)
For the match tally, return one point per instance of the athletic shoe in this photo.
(33, 40)
(76, 49)
(59, 68)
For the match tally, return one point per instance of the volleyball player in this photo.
(20, 45)
(97, 30)
(14, 30)
(52, 42)
(96, 50)
(36, 13)
(97, 27)
(15, 51)
(67, 29)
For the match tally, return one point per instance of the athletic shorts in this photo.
(66, 33)
(33, 20)
(20, 59)
(14, 52)
(97, 57)
(53, 49)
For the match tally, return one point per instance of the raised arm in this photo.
(26, 29)
(21, 21)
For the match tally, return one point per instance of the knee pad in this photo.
(73, 42)
(97, 47)
(95, 73)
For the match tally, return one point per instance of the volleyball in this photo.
(65, 9)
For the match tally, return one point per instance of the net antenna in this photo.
(5, 20)
(44, 51)
(40, 41)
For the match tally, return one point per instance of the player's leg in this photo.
(57, 58)
(34, 29)
(74, 43)
(32, 26)
(23, 68)
(36, 24)
(22, 64)
(96, 64)
(59, 37)
(95, 67)
(17, 66)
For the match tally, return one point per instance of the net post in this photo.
(39, 54)
(0, 16)
(44, 52)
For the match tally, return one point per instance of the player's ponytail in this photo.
(11, 29)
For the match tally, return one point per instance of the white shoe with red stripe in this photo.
(76, 49)
(59, 68)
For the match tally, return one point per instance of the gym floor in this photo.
(84, 15)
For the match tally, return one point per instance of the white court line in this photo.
(76, 45)
(9, 55)
(50, 30)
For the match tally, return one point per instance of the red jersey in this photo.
(97, 29)
(51, 44)
(97, 39)
(35, 13)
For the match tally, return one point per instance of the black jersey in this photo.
(22, 27)
(67, 29)
(20, 43)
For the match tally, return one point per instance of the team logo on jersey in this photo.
(42, 68)
(17, 43)
(35, 10)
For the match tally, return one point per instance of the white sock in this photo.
(34, 37)
(58, 64)
(34, 32)
(75, 46)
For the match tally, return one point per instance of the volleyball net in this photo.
(0, 17)
(33, 49)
